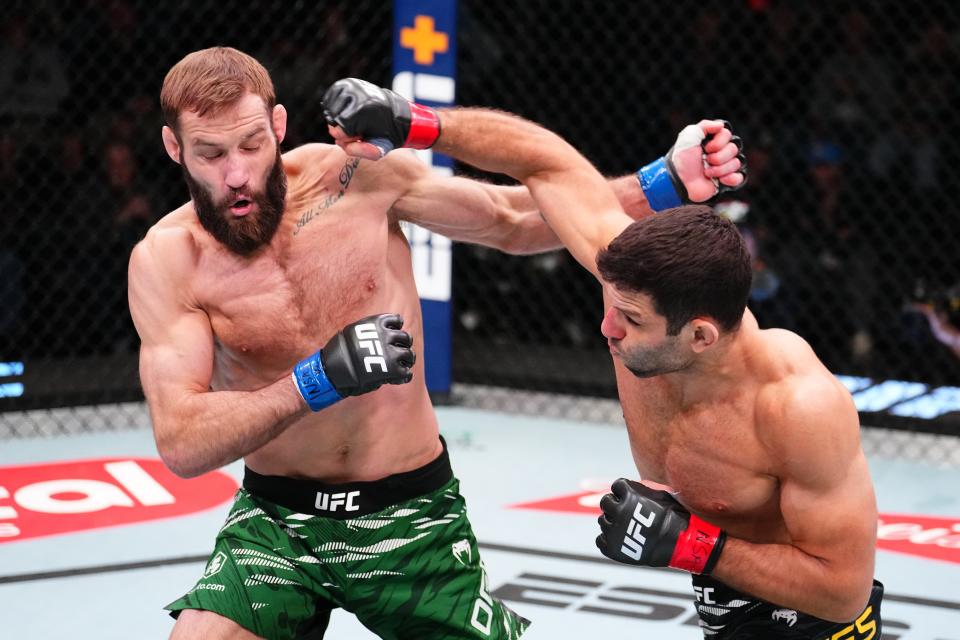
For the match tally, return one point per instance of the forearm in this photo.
(529, 231)
(631, 196)
(501, 143)
(573, 197)
(787, 576)
(208, 430)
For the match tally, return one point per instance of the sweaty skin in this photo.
(748, 428)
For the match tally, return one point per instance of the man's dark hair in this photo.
(689, 260)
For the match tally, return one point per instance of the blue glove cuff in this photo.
(313, 384)
(655, 181)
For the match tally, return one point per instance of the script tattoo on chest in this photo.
(346, 175)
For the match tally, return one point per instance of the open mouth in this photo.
(241, 207)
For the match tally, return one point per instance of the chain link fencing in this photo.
(846, 110)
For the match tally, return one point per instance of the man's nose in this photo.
(610, 327)
(237, 174)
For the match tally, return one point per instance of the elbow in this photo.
(841, 612)
(181, 469)
(847, 605)
(178, 464)
(176, 456)
(512, 244)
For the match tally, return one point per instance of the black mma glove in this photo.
(379, 116)
(644, 526)
(360, 358)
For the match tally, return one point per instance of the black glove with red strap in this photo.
(644, 526)
(379, 116)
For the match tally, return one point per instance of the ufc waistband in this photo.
(350, 499)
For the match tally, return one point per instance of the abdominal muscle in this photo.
(390, 430)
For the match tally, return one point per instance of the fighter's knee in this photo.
(196, 624)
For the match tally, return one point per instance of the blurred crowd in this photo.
(846, 110)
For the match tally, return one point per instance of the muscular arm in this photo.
(196, 429)
(828, 506)
(369, 122)
(503, 217)
(573, 197)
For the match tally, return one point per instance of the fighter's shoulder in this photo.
(311, 153)
(804, 402)
(401, 163)
(171, 247)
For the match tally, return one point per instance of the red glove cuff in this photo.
(424, 127)
(698, 547)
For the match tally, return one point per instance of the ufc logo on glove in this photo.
(634, 540)
(369, 339)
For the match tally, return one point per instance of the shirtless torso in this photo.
(326, 266)
(749, 432)
(723, 459)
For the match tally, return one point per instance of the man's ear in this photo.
(279, 122)
(171, 144)
(706, 333)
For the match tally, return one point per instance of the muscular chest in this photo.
(272, 310)
(710, 456)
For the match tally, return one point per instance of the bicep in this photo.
(177, 360)
(826, 498)
(176, 351)
(827, 519)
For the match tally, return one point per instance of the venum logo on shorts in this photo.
(64, 497)
(216, 563)
(369, 339)
(333, 501)
(634, 540)
(462, 550)
(784, 615)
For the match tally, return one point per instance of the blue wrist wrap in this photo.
(657, 186)
(313, 383)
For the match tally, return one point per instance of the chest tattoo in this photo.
(346, 175)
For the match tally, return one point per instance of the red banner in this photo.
(65, 497)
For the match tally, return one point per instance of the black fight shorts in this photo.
(726, 613)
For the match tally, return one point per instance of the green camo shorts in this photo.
(411, 571)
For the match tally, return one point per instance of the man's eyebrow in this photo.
(200, 142)
(254, 133)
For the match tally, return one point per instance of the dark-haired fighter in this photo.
(769, 503)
